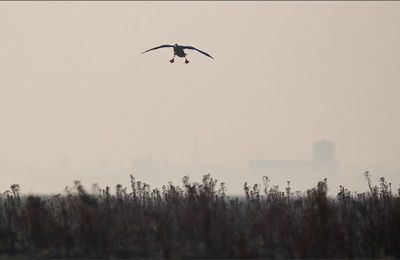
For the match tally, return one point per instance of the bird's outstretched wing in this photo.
(193, 48)
(161, 46)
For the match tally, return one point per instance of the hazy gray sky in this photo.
(74, 84)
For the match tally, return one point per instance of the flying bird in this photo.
(179, 51)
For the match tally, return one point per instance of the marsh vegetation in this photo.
(198, 220)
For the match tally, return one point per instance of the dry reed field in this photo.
(198, 220)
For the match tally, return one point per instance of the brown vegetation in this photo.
(198, 220)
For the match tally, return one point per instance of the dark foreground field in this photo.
(197, 220)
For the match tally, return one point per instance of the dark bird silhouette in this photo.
(179, 51)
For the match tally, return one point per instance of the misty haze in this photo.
(80, 102)
(295, 92)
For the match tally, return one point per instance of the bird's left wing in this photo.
(161, 46)
(193, 48)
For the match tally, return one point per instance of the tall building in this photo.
(324, 152)
(322, 164)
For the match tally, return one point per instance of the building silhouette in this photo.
(324, 151)
(322, 164)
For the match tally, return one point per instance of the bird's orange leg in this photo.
(172, 61)
(186, 60)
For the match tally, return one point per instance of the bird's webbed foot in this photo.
(186, 61)
(172, 61)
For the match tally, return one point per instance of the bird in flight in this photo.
(179, 51)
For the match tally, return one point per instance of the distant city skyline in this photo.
(322, 164)
(302, 173)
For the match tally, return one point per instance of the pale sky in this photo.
(75, 85)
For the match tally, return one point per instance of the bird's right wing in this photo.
(193, 48)
(161, 46)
